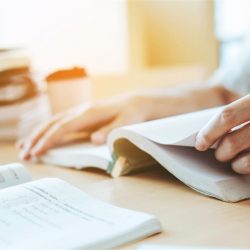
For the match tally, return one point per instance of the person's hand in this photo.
(95, 121)
(232, 128)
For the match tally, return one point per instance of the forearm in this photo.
(167, 102)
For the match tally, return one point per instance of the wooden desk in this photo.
(188, 218)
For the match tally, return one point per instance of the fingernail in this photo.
(25, 152)
(199, 144)
(98, 138)
(23, 155)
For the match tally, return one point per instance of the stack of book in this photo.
(22, 102)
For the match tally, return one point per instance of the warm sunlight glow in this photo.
(66, 32)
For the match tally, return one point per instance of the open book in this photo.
(52, 214)
(168, 142)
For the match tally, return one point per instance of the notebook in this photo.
(52, 214)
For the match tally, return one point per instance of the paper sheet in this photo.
(177, 130)
(51, 213)
(13, 174)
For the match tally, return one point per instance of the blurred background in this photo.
(125, 45)
(112, 37)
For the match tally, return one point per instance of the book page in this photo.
(79, 155)
(13, 174)
(51, 213)
(79, 148)
(178, 130)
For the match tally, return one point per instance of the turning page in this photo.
(177, 130)
(51, 213)
(170, 142)
(79, 156)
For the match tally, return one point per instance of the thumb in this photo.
(100, 136)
